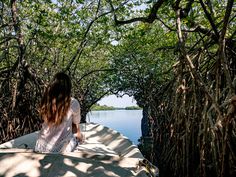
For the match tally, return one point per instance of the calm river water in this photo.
(127, 122)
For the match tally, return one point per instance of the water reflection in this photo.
(127, 122)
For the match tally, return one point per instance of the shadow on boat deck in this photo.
(36, 164)
(105, 153)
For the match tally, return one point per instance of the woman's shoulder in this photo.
(74, 104)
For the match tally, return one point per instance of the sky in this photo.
(120, 102)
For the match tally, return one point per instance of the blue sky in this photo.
(121, 102)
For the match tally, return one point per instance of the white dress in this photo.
(60, 138)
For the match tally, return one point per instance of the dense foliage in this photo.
(176, 57)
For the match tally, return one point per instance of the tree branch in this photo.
(226, 18)
(149, 19)
(84, 40)
(168, 27)
(192, 68)
(221, 51)
(93, 71)
(209, 18)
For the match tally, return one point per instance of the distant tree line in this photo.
(97, 107)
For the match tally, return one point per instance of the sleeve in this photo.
(76, 116)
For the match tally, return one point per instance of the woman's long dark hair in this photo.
(56, 100)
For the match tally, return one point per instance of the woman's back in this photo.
(55, 138)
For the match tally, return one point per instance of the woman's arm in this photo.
(76, 116)
(79, 135)
(74, 128)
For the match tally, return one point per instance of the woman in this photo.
(59, 111)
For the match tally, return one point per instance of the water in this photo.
(127, 122)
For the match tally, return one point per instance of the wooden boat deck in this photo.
(105, 152)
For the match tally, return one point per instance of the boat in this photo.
(104, 153)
